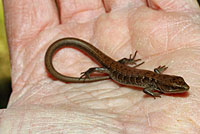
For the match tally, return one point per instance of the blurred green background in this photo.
(5, 82)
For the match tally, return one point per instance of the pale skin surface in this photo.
(163, 33)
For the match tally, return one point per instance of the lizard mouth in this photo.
(179, 89)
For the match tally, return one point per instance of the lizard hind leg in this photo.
(131, 60)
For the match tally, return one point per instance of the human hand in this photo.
(163, 33)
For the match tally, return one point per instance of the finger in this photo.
(84, 10)
(110, 5)
(25, 19)
(174, 5)
(79, 10)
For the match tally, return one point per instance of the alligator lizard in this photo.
(153, 82)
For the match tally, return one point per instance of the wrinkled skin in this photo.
(163, 32)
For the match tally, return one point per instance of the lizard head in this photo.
(172, 84)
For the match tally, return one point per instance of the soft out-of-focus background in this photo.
(5, 81)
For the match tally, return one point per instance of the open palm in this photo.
(163, 33)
